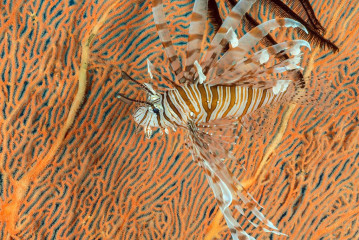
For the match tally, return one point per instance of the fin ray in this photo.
(165, 37)
(219, 41)
(257, 71)
(209, 153)
(251, 38)
(195, 36)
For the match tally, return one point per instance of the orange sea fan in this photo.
(72, 168)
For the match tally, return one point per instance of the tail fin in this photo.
(306, 90)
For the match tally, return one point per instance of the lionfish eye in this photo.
(155, 110)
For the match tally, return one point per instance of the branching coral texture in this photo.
(72, 166)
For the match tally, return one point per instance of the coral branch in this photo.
(22, 186)
(76, 104)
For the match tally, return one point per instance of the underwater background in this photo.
(73, 165)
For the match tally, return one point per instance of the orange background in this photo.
(72, 166)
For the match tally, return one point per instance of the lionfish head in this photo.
(149, 113)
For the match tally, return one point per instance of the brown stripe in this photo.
(250, 206)
(215, 179)
(223, 42)
(205, 70)
(249, 101)
(144, 117)
(235, 15)
(256, 32)
(156, 2)
(192, 37)
(214, 100)
(204, 98)
(159, 120)
(255, 98)
(271, 50)
(242, 99)
(239, 229)
(242, 237)
(178, 71)
(173, 107)
(209, 64)
(196, 17)
(222, 101)
(207, 172)
(237, 49)
(167, 44)
(220, 201)
(232, 101)
(161, 26)
(189, 67)
(222, 30)
(190, 53)
(291, 44)
(184, 96)
(270, 70)
(164, 112)
(249, 60)
(281, 21)
(172, 59)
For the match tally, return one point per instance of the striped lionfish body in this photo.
(203, 103)
(213, 86)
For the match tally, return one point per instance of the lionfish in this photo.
(221, 86)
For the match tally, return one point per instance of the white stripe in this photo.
(181, 106)
(226, 102)
(266, 98)
(244, 94)
(218, 105)
(169, 111)
(258, 99)
(191, 97)
(237, 101)
(200, 102)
